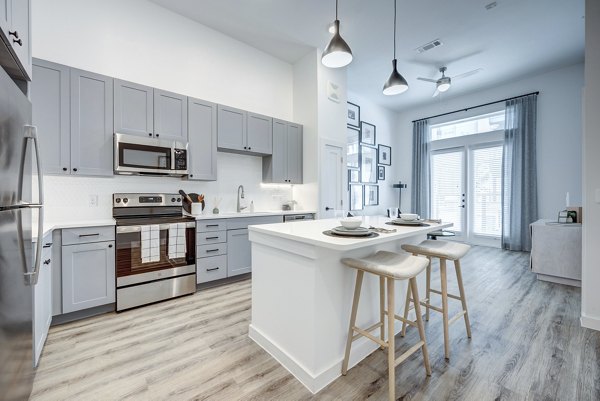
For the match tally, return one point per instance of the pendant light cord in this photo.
(395, 2)
(336, 9)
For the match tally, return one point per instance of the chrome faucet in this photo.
(240, 195)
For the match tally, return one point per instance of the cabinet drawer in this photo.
(203, 251)
(243, 223)
(211, 225)
(212, 268)
(86, 235)
(211, 237)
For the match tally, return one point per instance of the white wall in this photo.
(386, 131)
(590, 280)
(559, 133)
(140, 41)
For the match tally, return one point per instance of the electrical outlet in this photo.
(94, 200)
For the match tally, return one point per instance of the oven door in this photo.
(155, 252)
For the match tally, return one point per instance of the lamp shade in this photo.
(396, 83)
(337, 53)
(443, 84)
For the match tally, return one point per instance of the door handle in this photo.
(328, 208)
(463, 206)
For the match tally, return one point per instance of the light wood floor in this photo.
(527, 345)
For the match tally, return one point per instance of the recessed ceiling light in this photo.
(491, 5)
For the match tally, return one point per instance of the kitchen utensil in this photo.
(409, 216)
(185, 196)
(197, 199)
(351, 223)
(356, 232)
(383, 230)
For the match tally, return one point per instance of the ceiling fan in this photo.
(444, 82)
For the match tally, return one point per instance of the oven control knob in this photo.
(118, 200)
(178, 199)
(172, 200)
(125, 200)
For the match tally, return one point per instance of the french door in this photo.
(466, 184)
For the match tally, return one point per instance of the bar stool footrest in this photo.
(449, 295)
(408, 353)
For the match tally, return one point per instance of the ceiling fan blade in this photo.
(467, 74)
(427, 80)
(437, 92)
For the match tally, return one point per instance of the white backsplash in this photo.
(69, 198)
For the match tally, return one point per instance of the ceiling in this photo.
(516, 38)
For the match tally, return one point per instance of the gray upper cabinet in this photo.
(202, 145)
(232, 128)
(91, 123)
(170, 116)
(285, 164)
(133, 109)
(49, 94)
(15, 46)
(88, 275)
(5, 16)
(239, 255)
(260, 134)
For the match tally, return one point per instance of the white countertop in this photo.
(232, 215)
(311, 232)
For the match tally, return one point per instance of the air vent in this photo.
(429, 46)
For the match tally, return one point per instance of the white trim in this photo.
(590, 322)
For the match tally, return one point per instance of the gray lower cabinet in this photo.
(232, 128)
(211, 268)
(73, 110)
(88, 275)
(239, 257)
(202, 140)
(170, 116)
(285, 164)
(133, 109)
(49, 93)
(91, 123)
(42, 300)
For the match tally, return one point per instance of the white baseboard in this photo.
(590, 322)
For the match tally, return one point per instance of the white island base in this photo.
(302, 294)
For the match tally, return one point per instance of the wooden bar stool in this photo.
(390, 266)
(444, 251)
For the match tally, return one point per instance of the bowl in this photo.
(351, 224)
(409, 216)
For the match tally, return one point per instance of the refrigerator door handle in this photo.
(31, 278)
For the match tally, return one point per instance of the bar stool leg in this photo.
(391, 340)
(382, 308)
(445, 307)
(415, 290)
(406, 310)
(428, 289)
(463, 299)
(359, 280)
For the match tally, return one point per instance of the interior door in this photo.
(332, 181)
(448, 188)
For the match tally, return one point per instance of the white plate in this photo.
(408, 222)
(350, 230)
(359, 232)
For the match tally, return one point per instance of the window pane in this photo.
(487, 187)
(447, 188)
(470, 126)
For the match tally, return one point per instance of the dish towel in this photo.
(150, 243)
(177, 247)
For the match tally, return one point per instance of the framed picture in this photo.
(380, 173)
(368, 164)
(367, 133)
(356, 197)
(353, 115)
(384, 155)
(352, 151)
(354, 176)
(371, 195)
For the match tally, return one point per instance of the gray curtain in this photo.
(519, 172)
(420, 176)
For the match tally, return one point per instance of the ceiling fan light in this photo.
(443, 86)
(396, 84)
(337, 53)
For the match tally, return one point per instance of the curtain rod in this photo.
(475, 107)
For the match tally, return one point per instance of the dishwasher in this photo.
(298, 217)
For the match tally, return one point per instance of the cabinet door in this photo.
(202, 137)
(170, 116)
(239, 257)
(231, 128)
(294, 153)
(5, 17)
(20, 12)
(275, 168)
(88, 275)
(260, 134)
(91, 123)
(133, 112)
(42, 305)
(50, 113)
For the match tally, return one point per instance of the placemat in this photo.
(389, 223)
(329, 233)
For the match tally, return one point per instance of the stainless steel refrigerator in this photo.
(18, 266)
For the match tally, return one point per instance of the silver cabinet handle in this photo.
(88, 235)
(212, 270)
(212, 238)
(212, 250)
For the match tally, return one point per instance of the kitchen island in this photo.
(302, 293)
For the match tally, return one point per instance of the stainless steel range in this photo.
(156, 249)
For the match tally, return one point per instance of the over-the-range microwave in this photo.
(149, 156)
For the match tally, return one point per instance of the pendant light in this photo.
(337, 53)
(396, 83)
